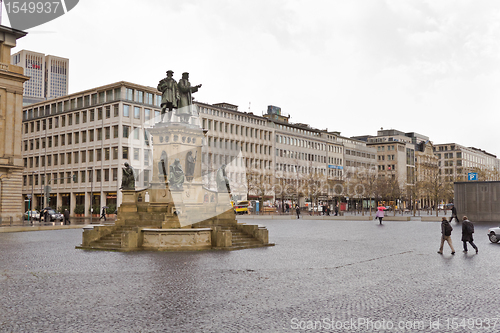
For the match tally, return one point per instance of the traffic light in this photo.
(74, 178)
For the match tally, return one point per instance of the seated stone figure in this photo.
(176, 177)
(128, 177)
(222, 180)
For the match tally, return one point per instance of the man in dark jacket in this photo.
(446, 235)
(66, 216)
(467, 231)
(297, 210)
(454, 214)
(103, 214)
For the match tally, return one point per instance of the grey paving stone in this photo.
(319, 273)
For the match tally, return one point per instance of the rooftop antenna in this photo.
(249, 103)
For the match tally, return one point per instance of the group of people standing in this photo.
(467, 231)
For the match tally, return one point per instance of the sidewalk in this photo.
(340, 218)
(76, 223)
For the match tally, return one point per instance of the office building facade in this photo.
(48, 75)
(75, 146)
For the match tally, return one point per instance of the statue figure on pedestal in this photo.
(222, 180)
(186, 100)
(128, 177)
(190, 164)
(176, 178)
(170, 94)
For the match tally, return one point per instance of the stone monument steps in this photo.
(111, 241)
(241, 240)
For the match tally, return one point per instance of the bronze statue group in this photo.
(177, 95)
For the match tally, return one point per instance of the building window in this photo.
(126, 110)
(115, 153)
(98, 153)
(115, 131)
(126, 131)
(129, 94)
(136, 154)
(91, 135)
(125, 153)
(140, 97)
(137, 112)
(106, 154)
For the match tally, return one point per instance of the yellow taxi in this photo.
(240, 207)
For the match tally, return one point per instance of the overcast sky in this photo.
(430, 67)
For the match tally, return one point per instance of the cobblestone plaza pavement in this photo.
(321, 276)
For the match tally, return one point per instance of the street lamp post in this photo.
(32, 194)
(91, 190)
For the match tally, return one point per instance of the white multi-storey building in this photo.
(456, 161)
(77, 145)
(48, 75)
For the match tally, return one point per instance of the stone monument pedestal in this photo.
(181, 213)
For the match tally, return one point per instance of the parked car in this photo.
(53, 215)
(494, 234)
(32, 215)
(241, 207)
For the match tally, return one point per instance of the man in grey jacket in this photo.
(446, 235)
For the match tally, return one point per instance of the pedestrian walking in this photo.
(446, 230)
(66, 217)
(380, 214)
(454, 214)
(103, 214)
(297, 210)
(336, 210)
(467, 231)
